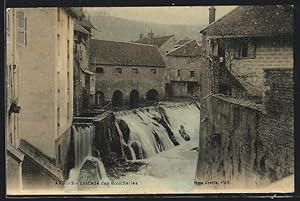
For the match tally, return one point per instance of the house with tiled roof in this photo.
(127, 73)
(164, 43)
(184, 66)
(248, 40)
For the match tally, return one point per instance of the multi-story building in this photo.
(14, 155)
(84, 79)
(127, 73)
(248, 40)
(184, 67)
(44, 38)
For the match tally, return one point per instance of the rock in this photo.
(89, 173)
(183, 134)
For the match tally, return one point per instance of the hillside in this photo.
(119, 29)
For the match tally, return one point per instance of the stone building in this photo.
(249, 39)
(44, 39)
(184, 67)
(15, 157)
(84, 79)
(164, 43)
(127, 73)
(250, 54)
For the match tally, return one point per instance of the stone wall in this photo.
(269, 52)
(276, 130)
(227, 146)
(246, 143)
(110, 81)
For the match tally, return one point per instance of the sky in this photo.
(191, 15)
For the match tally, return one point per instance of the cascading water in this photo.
(83, 141)
(153, 130)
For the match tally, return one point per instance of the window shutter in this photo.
(215, 50)
(236, 51)
(21, 27)
(251, 50)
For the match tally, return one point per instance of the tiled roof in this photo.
(125, 54)
(85, 22)
(254, 20)
(158, 41)
(79, 28)
(190, 49)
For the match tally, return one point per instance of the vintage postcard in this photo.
(149, 100)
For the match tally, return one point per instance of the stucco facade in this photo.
(46, 88)
(183, 73)
(185, 64)
(14, 157)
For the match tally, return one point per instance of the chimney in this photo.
(151, 36)
(141, 35)
(212, 14)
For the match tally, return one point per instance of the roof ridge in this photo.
(177, 48)
(133, 43)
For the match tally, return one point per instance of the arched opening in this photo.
(152, 95)
(117, 99)
(134, 98)
(99, 99)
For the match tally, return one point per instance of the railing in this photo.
(242, 78)
(106, 106)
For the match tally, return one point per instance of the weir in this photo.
(134, 135)
(156, 129)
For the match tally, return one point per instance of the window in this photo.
(244, 49)
(153, 71)
(68, 49)
(8, 22)
(21, 28)
(10, 138)
(68, 82)
(100, 70)
(58, 82)
(58, 117)
(192, 73)
(58, 44)
(178, 73)
(135, 71)
(68, 21)
(68, 110)
(118, 70)
(58, 14)
(192, 60)
(59, 154)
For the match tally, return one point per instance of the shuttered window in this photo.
(244, 49)
(251, 50)
(21, 28)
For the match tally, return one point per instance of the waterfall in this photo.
(148, 128)
(83, 138)
(147, 137)
(83, 142)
